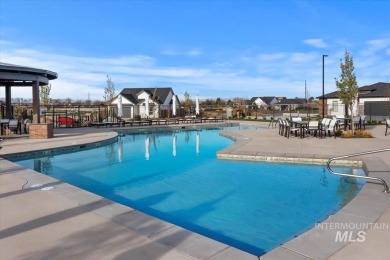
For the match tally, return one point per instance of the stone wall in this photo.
(41, 131)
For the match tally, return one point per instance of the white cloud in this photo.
(317, 43)
(374, 46)
(271, 56)
(191, 53)
(267, 73)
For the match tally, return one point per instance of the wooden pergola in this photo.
(20, 76)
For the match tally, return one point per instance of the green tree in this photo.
(109, 90)
(347, 85)
(44, 94)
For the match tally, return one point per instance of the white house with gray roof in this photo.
(263, 102)
(375, 98)
(134, 101)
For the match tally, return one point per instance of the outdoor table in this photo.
(302, 125)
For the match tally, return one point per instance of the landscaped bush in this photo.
(374, 122)
(358, 134)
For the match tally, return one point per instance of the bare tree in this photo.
(109, 90)
(187, 100)
(44, 94)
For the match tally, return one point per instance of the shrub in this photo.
(358, 134)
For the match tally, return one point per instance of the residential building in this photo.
(264, 102)
(135, 100)
(372, 99)
(291, 104)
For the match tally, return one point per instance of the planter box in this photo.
(40, 131)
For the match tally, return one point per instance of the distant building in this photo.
(291, 103)
(372, 99)
(134, 101)
(264, 102)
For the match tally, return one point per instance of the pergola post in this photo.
(8, 105)
(35, 98)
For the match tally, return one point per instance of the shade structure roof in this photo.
(15, 75)
(21, 76)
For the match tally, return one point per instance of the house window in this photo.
(335, 106)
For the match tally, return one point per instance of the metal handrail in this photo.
(386, 188)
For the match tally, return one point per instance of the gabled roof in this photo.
(132, 94)
(292, 101)
(379, 89)
(266, 100)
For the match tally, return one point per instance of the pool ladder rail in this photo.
(386, 188)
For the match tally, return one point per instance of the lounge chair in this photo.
(387, 125)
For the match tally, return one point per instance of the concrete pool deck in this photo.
(67, 222)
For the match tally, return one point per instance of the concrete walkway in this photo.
(60, 221)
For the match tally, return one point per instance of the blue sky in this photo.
(208, 48)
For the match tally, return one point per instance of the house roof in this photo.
(132, 94)
(379, 89)
(292, 101)
(266, 100)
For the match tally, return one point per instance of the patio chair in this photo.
(341, 121)
(387, 125)
(313, 126)
(15, 126)
(331, 127)
(289, 129)
(281, 126)
(325, 122)
(356, 123)
(363, 121)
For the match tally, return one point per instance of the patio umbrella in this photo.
(147, 107)
(147, 155)
(174, 145)
(174, 105)
(120, 109)
(197, 142)
(197, 105)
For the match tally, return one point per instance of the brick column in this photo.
(41, 131)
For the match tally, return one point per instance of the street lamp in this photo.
(323, 87)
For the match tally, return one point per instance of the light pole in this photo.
(323, 85)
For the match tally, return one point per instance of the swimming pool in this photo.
(175, 176)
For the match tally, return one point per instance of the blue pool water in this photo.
(175, 176)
